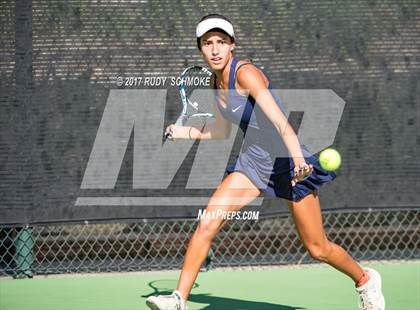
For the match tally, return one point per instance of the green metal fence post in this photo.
(24, 254)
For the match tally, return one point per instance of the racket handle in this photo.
(182, 119)
(167, 136)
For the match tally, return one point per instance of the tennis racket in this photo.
(193, 112)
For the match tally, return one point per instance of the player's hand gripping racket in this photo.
(190, 79)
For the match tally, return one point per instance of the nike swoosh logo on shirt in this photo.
(235, 109)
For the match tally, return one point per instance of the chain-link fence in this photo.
(141, 246)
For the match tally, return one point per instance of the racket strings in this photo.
(192, 79)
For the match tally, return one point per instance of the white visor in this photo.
(212, 23)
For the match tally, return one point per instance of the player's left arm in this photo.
(252, 79)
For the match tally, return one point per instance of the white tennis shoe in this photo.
(370, 293)
(167, 302)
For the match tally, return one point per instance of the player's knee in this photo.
(208, 227)
(320, 251)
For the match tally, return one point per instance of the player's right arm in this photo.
(218, 130)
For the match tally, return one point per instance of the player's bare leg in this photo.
(308, 220)
(307, 216)
(235, 192)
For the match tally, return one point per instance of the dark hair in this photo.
(217, 29)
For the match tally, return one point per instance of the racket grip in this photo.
(179, 122)
(167, 136)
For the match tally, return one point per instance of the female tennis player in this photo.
(244, 96)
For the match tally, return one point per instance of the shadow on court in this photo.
(210, 302)
(223, 303)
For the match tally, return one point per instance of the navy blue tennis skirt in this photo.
(273, 176)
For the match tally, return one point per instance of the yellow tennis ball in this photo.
(330, 159)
